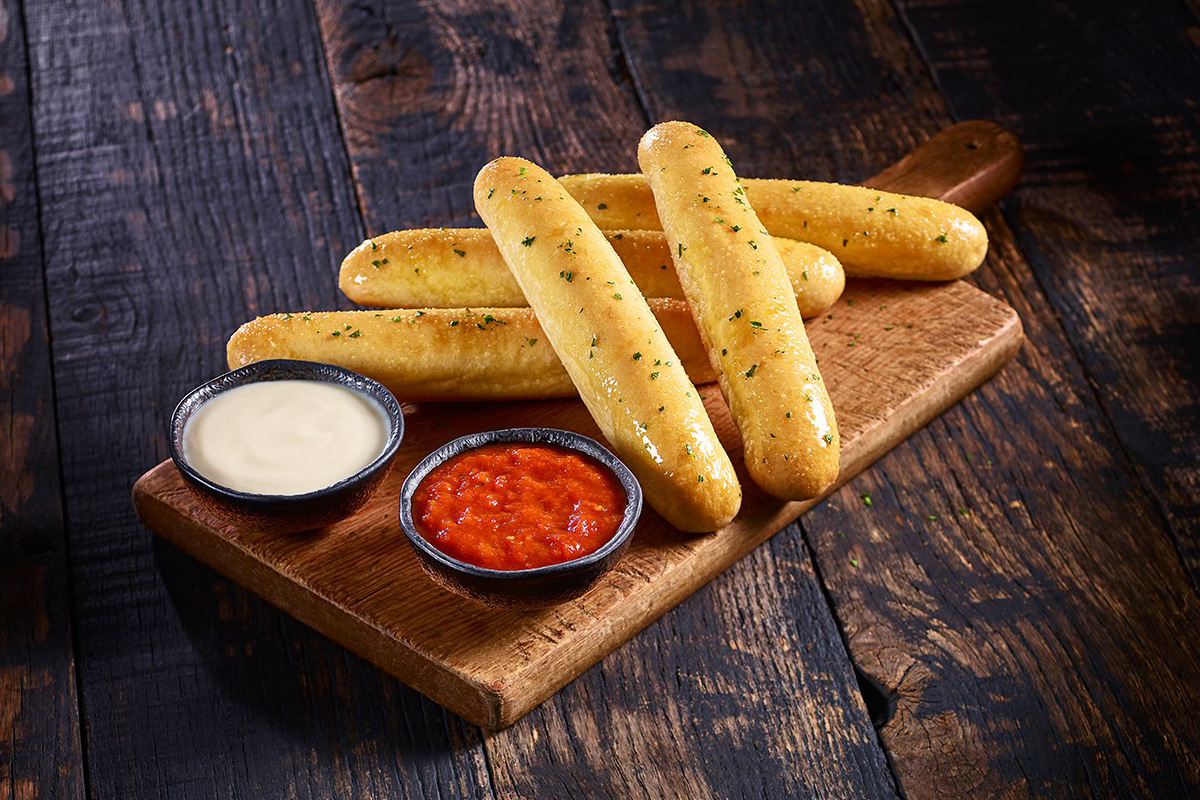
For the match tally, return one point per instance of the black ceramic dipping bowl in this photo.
(288, 513)
(522, 588)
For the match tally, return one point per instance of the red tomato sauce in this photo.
(518, 506)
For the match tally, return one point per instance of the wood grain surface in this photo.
(39, 712)
(191, 172)
(941, 539)
(1107, 218)
(190, 164)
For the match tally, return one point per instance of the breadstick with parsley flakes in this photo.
(444, 353)
(742, 301)
(461, 267)
(597, 320)
(874, 234)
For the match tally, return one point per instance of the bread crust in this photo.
(746, 313)
(462, 267)
(597, 320)
(874, 234)
(444, 353)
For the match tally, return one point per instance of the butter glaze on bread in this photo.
(744, 308)
(598, 322)
(874, 234)
(461, 267)
(444, 353)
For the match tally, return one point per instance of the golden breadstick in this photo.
(753, 333)
(444, 353)
(627, 374)
(453, 267)
(874, 234)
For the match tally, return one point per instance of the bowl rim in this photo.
(278, 369)
(568, 440)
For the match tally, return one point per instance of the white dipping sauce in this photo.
(284, 437)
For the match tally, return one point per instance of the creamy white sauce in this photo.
(284, 437)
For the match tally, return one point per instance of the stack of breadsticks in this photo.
(697, 276)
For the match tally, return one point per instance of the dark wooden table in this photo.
(1013, 613)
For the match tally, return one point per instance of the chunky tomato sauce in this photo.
(518, 506)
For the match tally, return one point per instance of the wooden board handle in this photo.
(972, 164)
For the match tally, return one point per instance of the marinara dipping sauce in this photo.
(518, 505)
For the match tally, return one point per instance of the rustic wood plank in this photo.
(1109, 217)
(731, 671)
(1046, 640)
(429, 92)
(40, 750)
(192, 173)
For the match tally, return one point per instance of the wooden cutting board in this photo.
(894, 356)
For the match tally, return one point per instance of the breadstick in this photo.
(598, 322)
(444, 353)
(874, 234)
(453, 267)
(741, 299)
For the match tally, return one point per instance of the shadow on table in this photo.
(303, 685)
